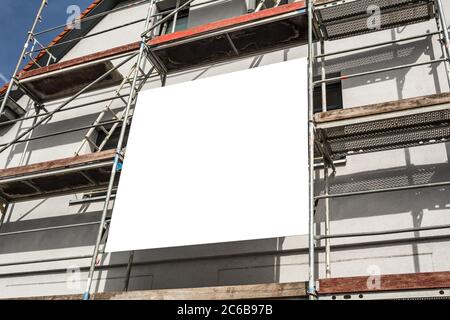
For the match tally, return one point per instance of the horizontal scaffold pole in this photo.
(79, 93)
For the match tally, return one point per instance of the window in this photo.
(181, 23)
(114, 139)
(334, 94)
(267, 4)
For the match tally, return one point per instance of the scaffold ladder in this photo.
(109, 116)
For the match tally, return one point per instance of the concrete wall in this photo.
(269, 260)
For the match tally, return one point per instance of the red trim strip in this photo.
(213, 26)
(58, 38)
(169, 38)
(391, 282)
(84, 59)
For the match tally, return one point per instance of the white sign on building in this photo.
(216, 160)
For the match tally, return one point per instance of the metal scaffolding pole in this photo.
(366, 73)
(131, 100)
(381, 233)
(68, 226)
(323, 76)
(344, 246)
(376, 45)
(311, 277)
(3, 213)
(58, 133)
(327, 224)
(91, 35)
(87, 104)
(121, 8)
(38, 115)
(149, 31)
(79, 93)
(22, 55)
(128, 273)
(444, 26)
(94, 16)
(381, 190)
(443, 32)
(175, 17)
(325, 168)
(311, 136)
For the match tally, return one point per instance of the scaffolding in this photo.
(99, 171)
(385, 126)
(332, 134)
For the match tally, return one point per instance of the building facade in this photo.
(55, 261)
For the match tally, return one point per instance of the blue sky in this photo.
(16, 18)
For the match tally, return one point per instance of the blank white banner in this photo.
(216, 160)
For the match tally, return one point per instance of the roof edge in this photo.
(56, 40)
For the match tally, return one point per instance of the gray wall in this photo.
(261, 261)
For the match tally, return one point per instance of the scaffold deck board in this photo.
(327, 287)
(383, 126)
(264, 31)
(12, 111)
(267, 30)
(382, 108)
(70, 81)
(390, 282)
(101, 55)
(57, 177)
(258, 291)
(345, 18)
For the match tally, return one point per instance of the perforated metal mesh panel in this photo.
(351, 18)
(431, 118)
(407, 131)
(344, 9)
(379, 180)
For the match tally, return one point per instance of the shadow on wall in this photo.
(234, 263)
(237, 263)
(51, 239)
(244, 262)
(417, 204)
(61, 140)
(382, 204)
(386, 57)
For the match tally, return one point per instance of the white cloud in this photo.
(3, 78)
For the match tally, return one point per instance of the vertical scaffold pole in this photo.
(323, 76)
(3, 212)
(444, 26)
(440, 30)
(175, 18)
(327, 221)
(325, 167)
(120, 143)
(311, 279)
(128, 273)
(22, 55)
